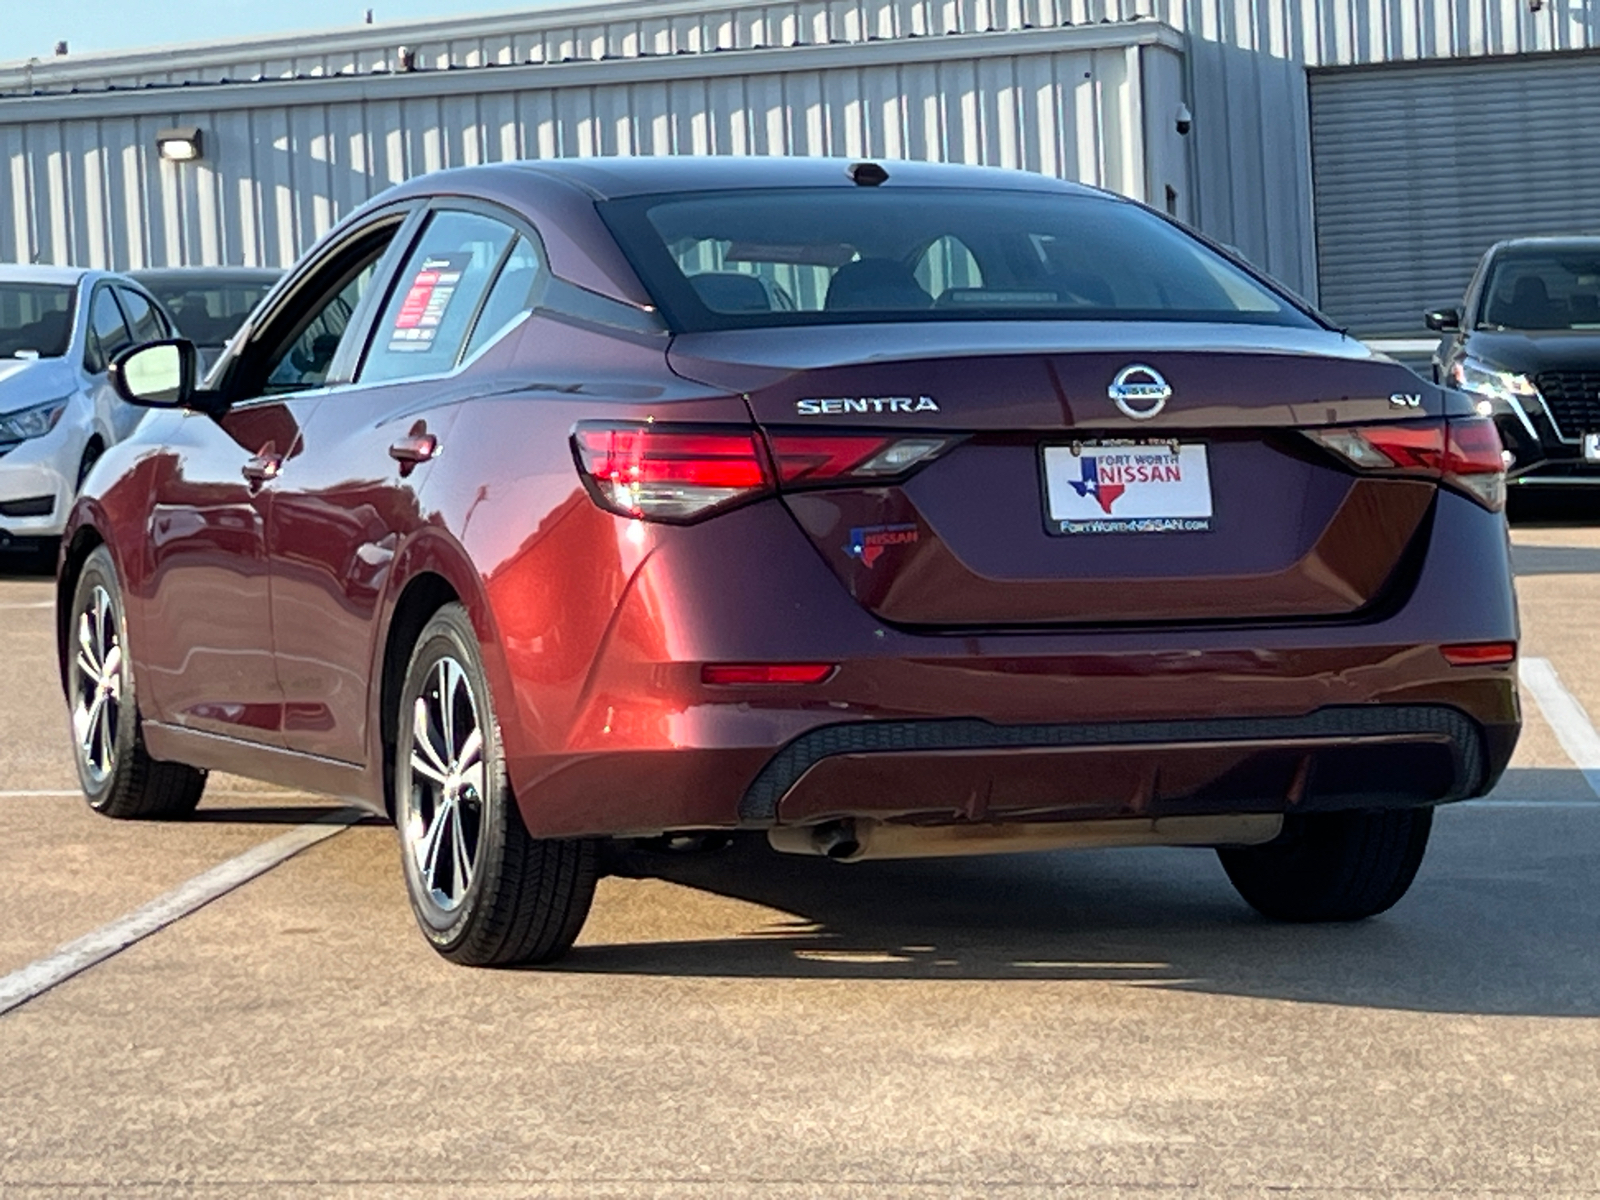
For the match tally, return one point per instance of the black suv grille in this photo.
(1573, 398)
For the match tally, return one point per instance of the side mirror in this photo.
(157, 374)
(1442, 320)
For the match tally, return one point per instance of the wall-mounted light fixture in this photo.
(180, 145)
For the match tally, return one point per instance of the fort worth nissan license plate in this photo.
(1127, 487)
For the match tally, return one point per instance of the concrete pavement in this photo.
(744, 1024)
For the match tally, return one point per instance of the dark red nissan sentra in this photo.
(895, 510)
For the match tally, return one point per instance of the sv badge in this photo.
(1406, 399)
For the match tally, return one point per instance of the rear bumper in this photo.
(1072, 724)
(1335, 758)
(956, 771)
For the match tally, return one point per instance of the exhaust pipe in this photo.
(857, 840)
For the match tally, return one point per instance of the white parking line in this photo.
(39, 604)
(54, 793)
(1566, 717)
(40, 976)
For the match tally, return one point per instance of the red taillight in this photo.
(1480, 654)
(666, 474)
(680, 473)
(1464, 452)
(1475, 461)
(731, 673)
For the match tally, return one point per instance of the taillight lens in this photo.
(733, 674)
(1480, 654)
(681, 473)
(1465, 453)
(812, 459)
(665, 474)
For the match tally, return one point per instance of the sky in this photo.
(30, 28)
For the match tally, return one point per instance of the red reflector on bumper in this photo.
(726, 673)
(1480, 654)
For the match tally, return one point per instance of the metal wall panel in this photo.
(1406, 206)
(584, 32)
(1245, 84)
(1315, 32)
(285, 160)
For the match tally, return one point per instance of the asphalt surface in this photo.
(1107, 1023)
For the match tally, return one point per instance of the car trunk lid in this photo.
(1056, 506)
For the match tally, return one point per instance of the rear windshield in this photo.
(208, 314)
(35, 320)
(804, 256)
(1546, 289)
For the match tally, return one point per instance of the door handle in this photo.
(414, 448)
(262, 467)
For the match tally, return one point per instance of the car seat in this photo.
(48, 335)
(1529, 307)
(883, 283)
(731, 292)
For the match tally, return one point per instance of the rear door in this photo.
(356, 494)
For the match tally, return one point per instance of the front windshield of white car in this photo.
(35, 320)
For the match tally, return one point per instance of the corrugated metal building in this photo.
(1327, 140)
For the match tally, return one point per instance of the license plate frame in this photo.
(1162, 485)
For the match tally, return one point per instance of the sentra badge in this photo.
(840, 405)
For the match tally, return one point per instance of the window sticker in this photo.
(427, 301)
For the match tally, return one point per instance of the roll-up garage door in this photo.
(1419, 168)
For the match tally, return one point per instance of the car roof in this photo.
(1569, 242)
(39, 273)
(616, 177)
(610, 178)
(203, 275)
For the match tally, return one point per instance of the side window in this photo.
(108, 331)
(435, 298)
(144, 322)
(305, 363)
(509, 298)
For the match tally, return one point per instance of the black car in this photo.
(208, 304)
(1526, 344)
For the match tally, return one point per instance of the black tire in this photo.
(502, 898)
(119, 777)
(1341, 866)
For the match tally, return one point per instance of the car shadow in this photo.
(1554, 507)
(1501, 920)
(26, 566)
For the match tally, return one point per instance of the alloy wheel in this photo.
(97, 698)
(444, 825)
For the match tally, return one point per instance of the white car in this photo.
(59, 327)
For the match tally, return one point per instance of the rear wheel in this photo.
(484, 892)
(1332, 866)
(119, 777)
